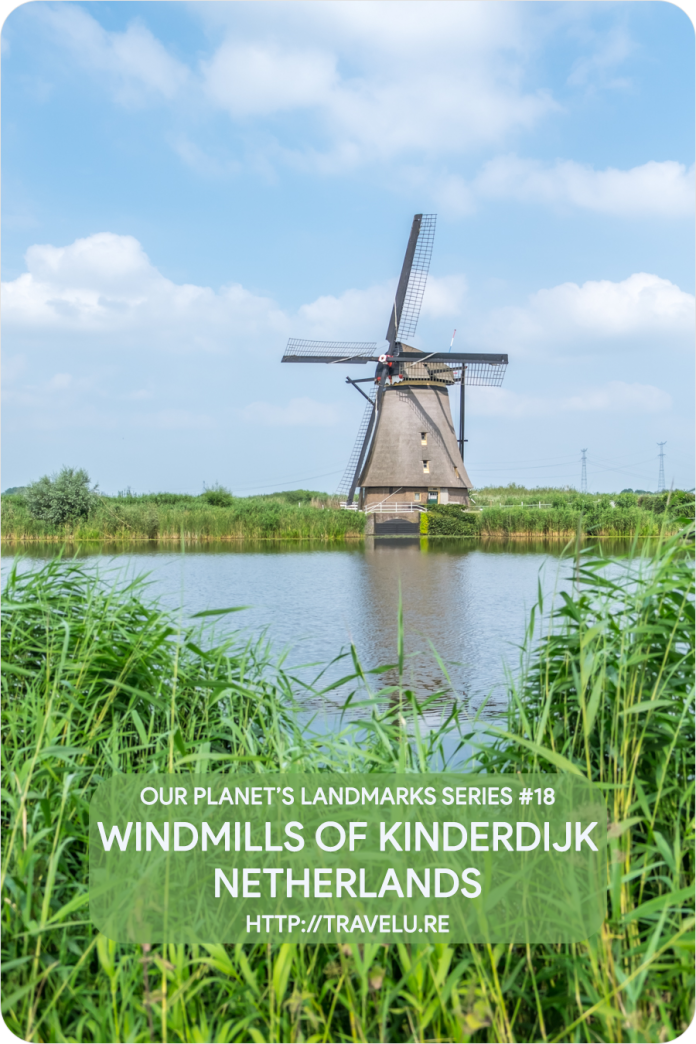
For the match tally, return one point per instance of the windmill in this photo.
(406, 452)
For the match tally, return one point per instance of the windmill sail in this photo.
(405, 312)
(330, 351)
(418, 277)
(486, 374)
(482, 369)
(358, 454)
(414, 275)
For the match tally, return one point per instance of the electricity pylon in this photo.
(661, 477)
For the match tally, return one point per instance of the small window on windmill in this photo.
(432, 496)
(424, 438)
(456, 472)
(426, 466)
(416, 496)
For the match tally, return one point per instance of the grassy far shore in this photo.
(309, 515)
(100, 680)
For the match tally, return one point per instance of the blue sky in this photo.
(186, 185)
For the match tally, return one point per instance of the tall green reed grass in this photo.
(608, 693)
(593, 520)
(119, 519)
(97, 679)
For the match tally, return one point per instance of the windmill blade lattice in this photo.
(481, 370)
(330, 351)
(347, 480)
(484, 374)
(418, 277)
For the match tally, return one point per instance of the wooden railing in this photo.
(387, 508)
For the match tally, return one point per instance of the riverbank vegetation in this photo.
(67, 509)
(98, 679)
(216, 515)
(620, 515)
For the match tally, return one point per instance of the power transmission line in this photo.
(528, 467)
(583, 474)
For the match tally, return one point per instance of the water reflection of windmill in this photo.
(406, 452)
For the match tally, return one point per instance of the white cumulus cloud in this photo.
(596, 317)
(255, 80)
(381, 79)
(376, 80)
(105, 285)
(665, 189)
(369, 82)
(134, 62)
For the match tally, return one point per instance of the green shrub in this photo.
(63, 498)
(218, 496)
(452, 520)
(676, 502)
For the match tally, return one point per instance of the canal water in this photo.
(465, 607)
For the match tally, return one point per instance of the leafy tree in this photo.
(61, 498)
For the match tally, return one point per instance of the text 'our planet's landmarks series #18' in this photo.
(406, 454)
